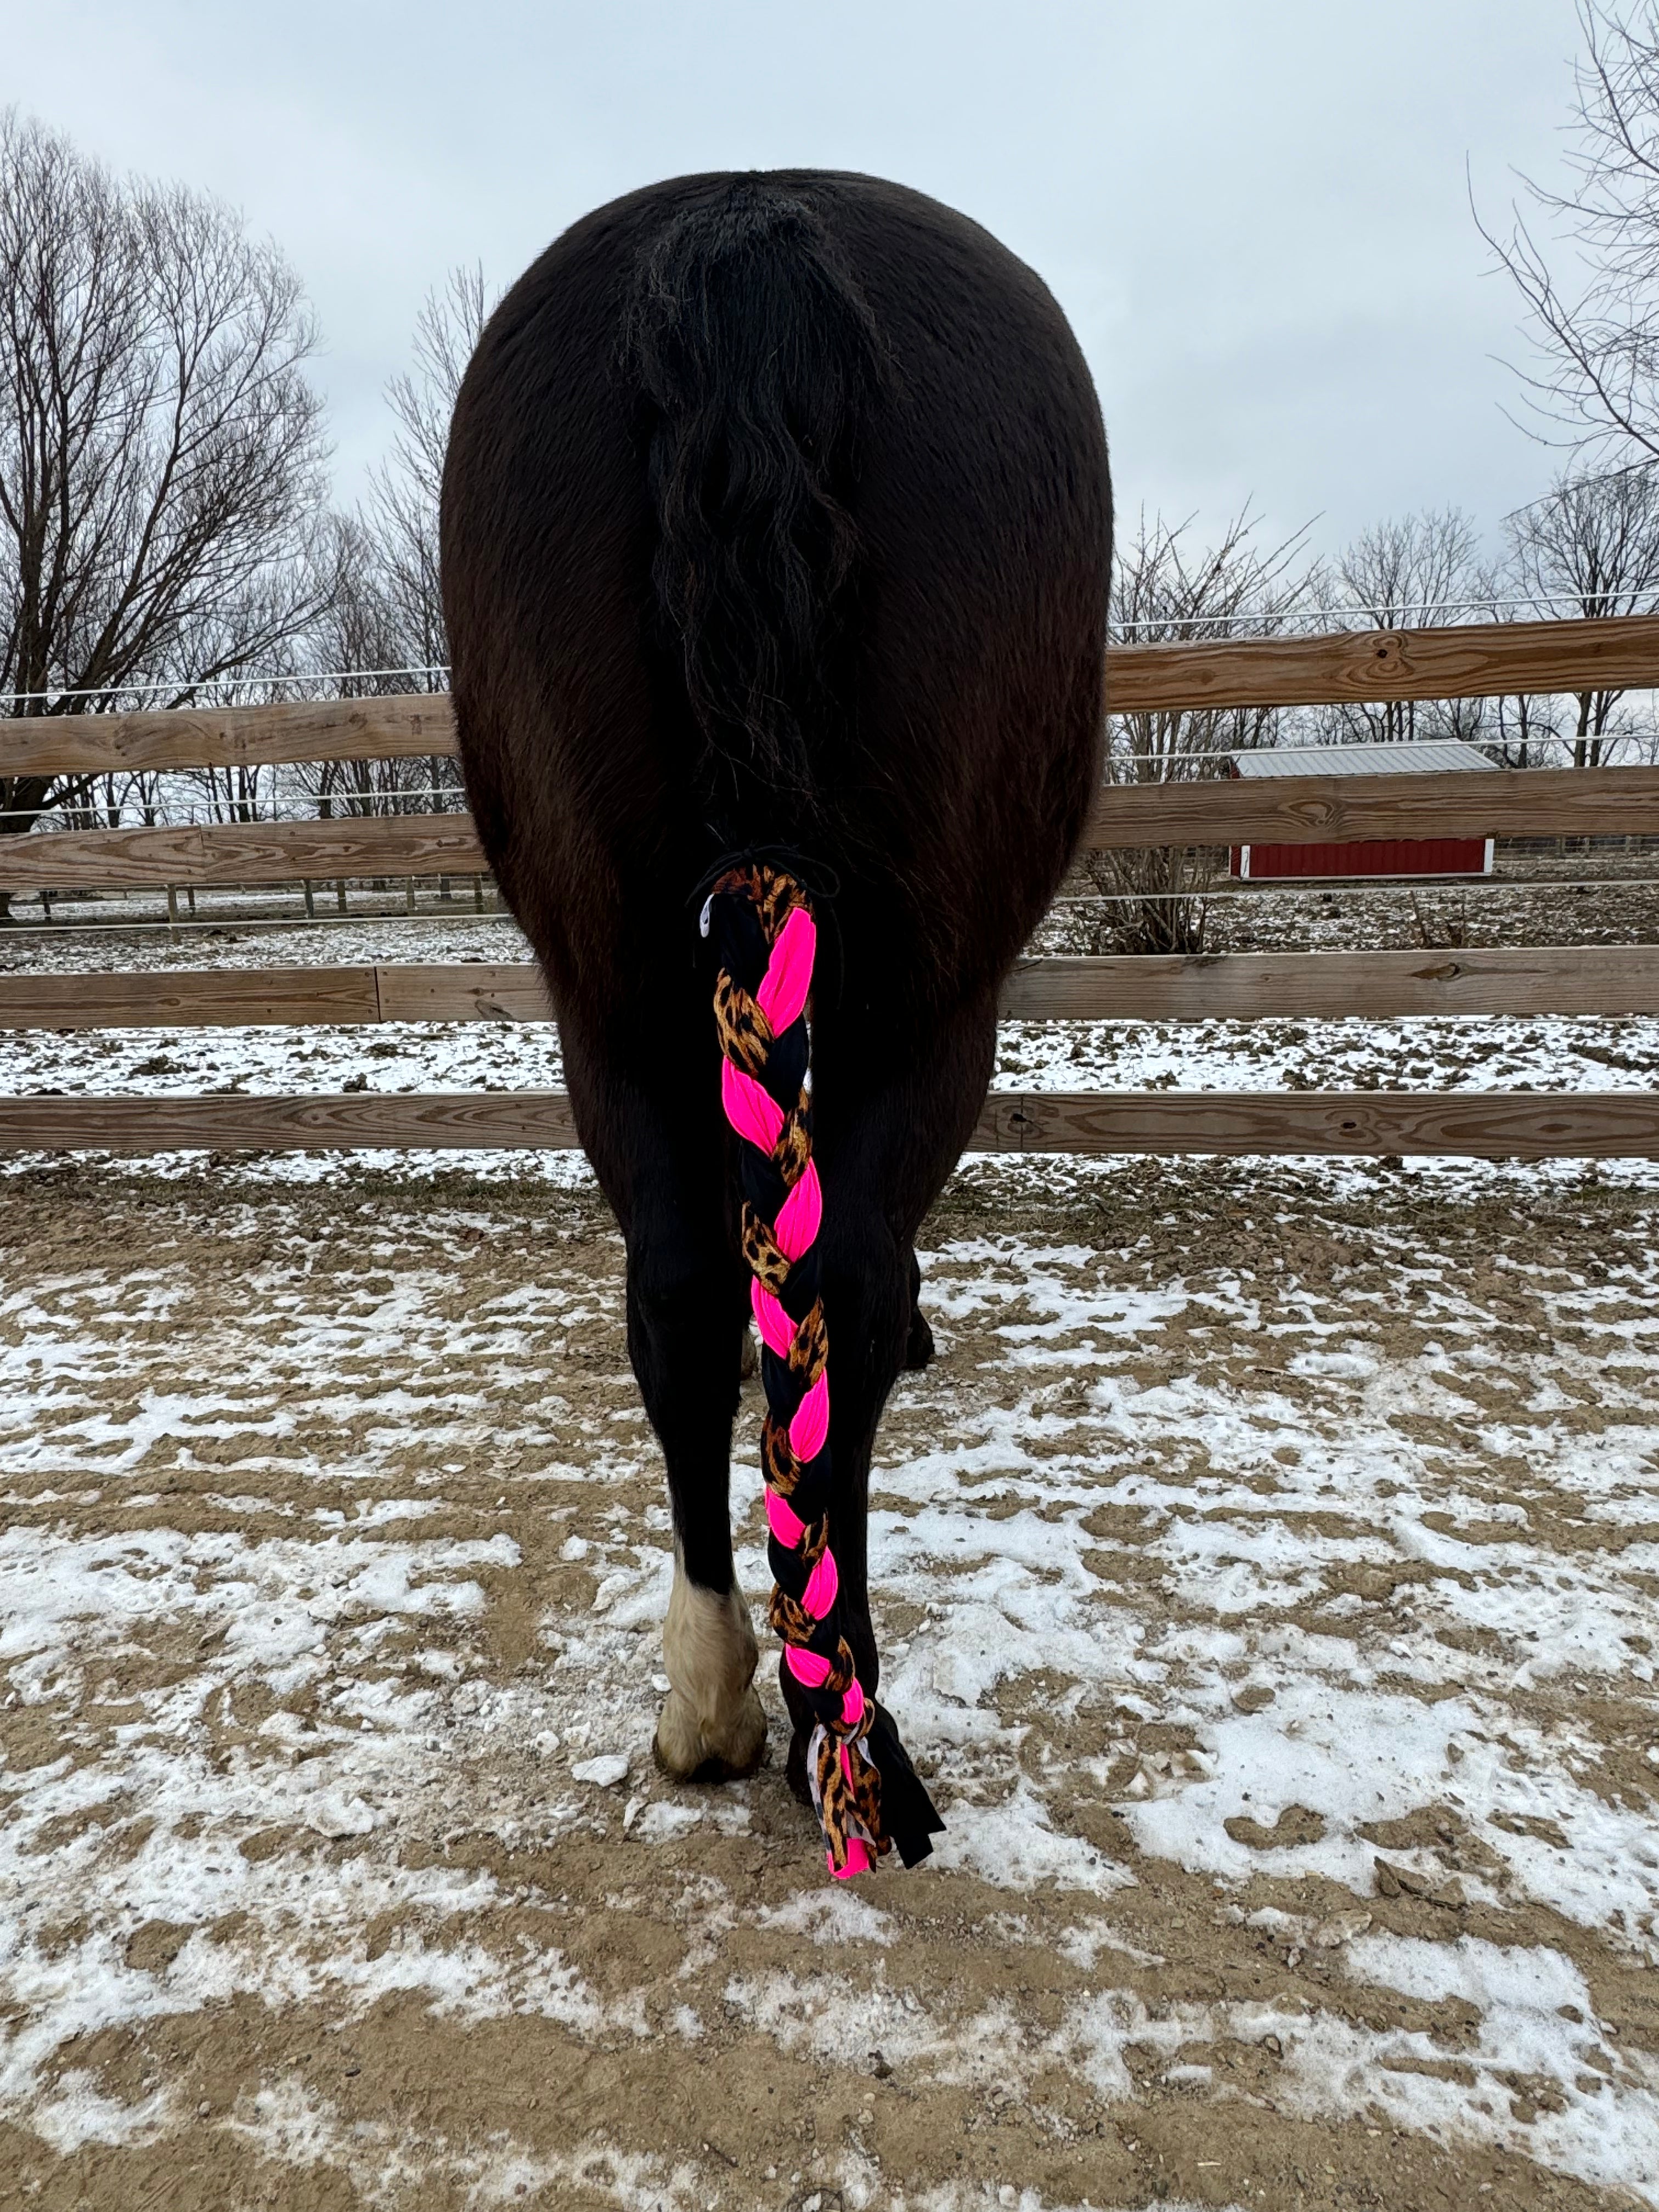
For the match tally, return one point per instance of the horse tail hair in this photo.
(754, 348)
(866, 1793)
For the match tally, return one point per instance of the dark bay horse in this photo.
(776, 533)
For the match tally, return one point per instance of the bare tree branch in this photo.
(402, 517)
(1589, 294)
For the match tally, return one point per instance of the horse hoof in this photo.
(692, 1750)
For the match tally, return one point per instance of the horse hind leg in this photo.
(684, 1321)
(662, 1168)
(712, 1728)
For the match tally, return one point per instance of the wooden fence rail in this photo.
(1470, 1125)
(222, 854)
(1269, 811)
(1464, 660)
(1561, 979)
(416, 725)
(1324, 809)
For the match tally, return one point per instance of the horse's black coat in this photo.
(776, 515)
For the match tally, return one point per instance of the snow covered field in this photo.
(1266, 1571)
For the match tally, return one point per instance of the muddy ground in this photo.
(1267, 1577)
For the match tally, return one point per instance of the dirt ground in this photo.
(1266, 1571)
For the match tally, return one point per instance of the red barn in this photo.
(1393, 856)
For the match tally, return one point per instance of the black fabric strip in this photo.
(907, 1813)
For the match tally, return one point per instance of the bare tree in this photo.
(1166, 588)
(1422, 568)
(160, 449)
(1590, 547)
(359, 649)
(403, 501)
(1589, 292)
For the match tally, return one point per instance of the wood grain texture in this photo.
(1556, 979)
(1320, 809)
(1472, 1125)
(204, 855)
(469, 991)
(444, 1121)
(410, 727)
(1468, 660)
(1278, 810)
(201, 998)
(1475, 1124)
(256, 998)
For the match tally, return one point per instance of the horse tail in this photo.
(866, 1793)
(755, 349)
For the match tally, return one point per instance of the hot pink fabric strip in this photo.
(786, 1523)
(819, 1596)
(858, 1860)
(799, 1216)
(789, 977)
(777, 1330)
(811, 1424)
(749, 1107)
(808, 1667)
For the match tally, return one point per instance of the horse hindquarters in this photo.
(874, 656)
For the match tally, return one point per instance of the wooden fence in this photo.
(1462, 662)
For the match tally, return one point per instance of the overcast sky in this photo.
(1256, 216)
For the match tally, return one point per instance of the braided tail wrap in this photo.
(865, 1792)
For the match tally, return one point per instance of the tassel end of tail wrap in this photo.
(906, 1820)
(859, 1860)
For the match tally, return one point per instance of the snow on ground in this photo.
(1266, 1572)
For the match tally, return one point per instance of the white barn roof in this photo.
(1407, 758)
